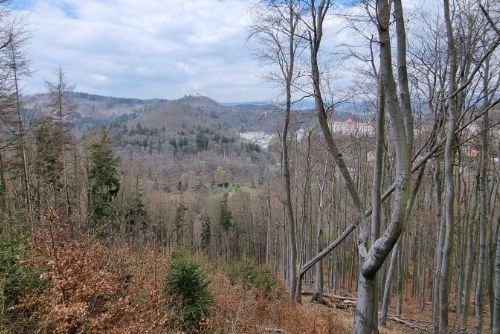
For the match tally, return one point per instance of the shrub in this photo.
(187, 286)
(83, 294)
(16, 276)
(90, 288)
(249, 273)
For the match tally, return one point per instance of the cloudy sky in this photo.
(145, 49)
(164, 48)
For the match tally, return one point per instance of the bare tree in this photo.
(372, 254)
(276, 31)
(19, 67)
(62, 111)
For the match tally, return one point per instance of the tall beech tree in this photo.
(277, 33)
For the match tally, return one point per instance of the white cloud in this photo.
(148, 48)
(168, 48)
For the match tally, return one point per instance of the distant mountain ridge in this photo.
(94, 110)
(79, 97)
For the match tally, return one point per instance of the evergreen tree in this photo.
(226, 216)
(206, 233)
(48, 162)
(179, 222)
(136, 215)
(103, 179)
(201, 141)
(187, 285)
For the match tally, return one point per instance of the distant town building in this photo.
(258, 137)
(300, 134)
(354, 128)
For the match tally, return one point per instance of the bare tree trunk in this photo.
(268, 227)
(439, 246)
(373, 257)
(449, 157)
(468, 276)
(315, 36)
(483, 219)
(491, 232)
(469, 253)
(363, 319)
(404, 90)
(307, 242)
(292, 276)
(4, 205)
(387, 286)
(318, 293)
(392, 264)
(276, 31)
(377, 177)
(285, 247)
(22, 148)
(496, 306)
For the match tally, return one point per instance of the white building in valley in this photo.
(257, 137)
(354, 128)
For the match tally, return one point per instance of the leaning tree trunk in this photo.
(387, 285)
(392, 263)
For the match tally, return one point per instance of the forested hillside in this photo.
(365, 198)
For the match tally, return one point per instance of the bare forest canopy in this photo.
(334, 210)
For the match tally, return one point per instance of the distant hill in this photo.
(190, 137)
(94, 110)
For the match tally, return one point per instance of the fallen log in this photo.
(408, 323)
(339, 297)
(348, 302)
(327, 295)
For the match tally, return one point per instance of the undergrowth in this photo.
(89, 287)
(188, 288)
(250, 274)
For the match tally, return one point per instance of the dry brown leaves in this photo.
(93, 288)
(239, 309)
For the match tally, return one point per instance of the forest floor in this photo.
(93, 287)
(344, 317)
(341, 306)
